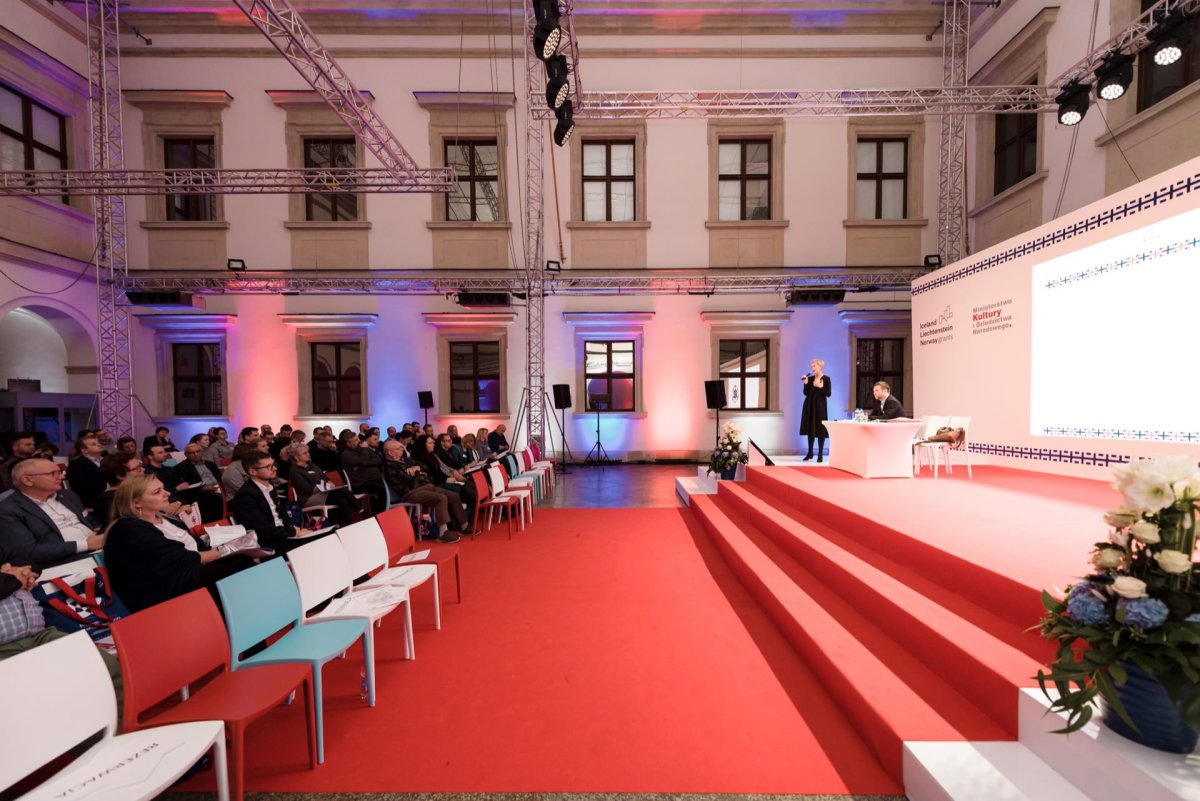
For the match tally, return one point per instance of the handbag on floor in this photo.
(70, 604)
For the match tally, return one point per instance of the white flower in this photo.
(1119, 537)
(1150, 492)
(1108, 558)
(1187, 489)
(1129, 587)
(1173, 561)
(1145, 531)
(1121, 518)
(1175, 468)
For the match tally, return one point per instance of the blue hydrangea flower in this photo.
(1081, 588)
(1193, 618)
(1145, 613)
(1087, 610)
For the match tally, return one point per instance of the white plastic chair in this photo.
(366, 551)
(59, 694)
(939, 452)
(322, 572)
(963, 446)
(523, 494)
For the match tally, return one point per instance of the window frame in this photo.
(742, 177)
(1025, 136)
(306, 140)
(340, 379)
(879, 176)
(742, 374)
(476, 375)
(608, 179)
(206, 203)
(471, 178)
(26, 137)
(610, 376)
(200, 381)
(873, 373)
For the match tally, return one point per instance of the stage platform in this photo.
(916, 602)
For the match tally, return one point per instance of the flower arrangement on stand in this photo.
(728, 454)
(1136, 620)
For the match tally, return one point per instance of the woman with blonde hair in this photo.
(814, 413)
(151, 558)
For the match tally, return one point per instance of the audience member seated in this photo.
(313, 489)
(151, 558)
(22, 626)
(405, 438)
(280, 440)
(248, 434)
(364, 467)
(106, 441)
(161, 436)
(325, 452)
(193, 471)
(83, 472)
(114, 468)
(497, 443)
(45, 450)
(391, 432)
(427, 430)
(220, 449)
(203, 440)
(455, 439)
(156, 465)
(41, 523)
(481, 443)
(440, 474)
(885, 406)
(21, 446)
(470, 454)
(235, 476)
(256, 506)
(127, 445)
(448, 454)
(411, 484)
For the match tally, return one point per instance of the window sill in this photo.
(746, 413)
(911, 222)
(172, 420)
(634, 415)
(318, 225)
(503, 413)
(746, 224)
(465, 225)
(185, 225)
(1148, 114)
(602, 224)
(56, 205)
(1015, 189)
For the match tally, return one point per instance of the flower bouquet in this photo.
(1139, 611)
(728, 454)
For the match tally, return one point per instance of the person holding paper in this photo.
(203, 480)
(313, 489)
(152, 558)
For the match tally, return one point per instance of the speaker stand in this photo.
(597, 455)
(562, 454)
(426, 411)
(717, 433)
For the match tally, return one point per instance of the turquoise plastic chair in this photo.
(264, 599)
(518, 478)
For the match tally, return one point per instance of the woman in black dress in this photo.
(815, 411)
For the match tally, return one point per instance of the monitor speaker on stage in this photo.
(562, 396)
(425, 399)
(714, 394)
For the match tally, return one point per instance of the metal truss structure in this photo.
(535, 268)
(99, 183)
(952, 156)
(115, 378)
(515, 282)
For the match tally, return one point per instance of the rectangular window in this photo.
(32, 137)
(337, 377)
(744, 179)
(196, 370)
(1016, 147)
(474, 377)
(190, 154)
(878, 360)
(744, 368)
(1156, 82)
(327, 153)
(881, 191)
(608, 376)
(608, 181)
(476, 196)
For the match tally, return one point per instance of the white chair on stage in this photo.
(941, 452)
(59, 694)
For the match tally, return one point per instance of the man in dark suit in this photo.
(256, 507)
(497, 441)
(161, 436)
(41, 523)
(83, 472)
(195, 470)
(886, 407)
(21, 446)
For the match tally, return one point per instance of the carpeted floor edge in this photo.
(526, 797)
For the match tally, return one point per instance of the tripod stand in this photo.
(547, 406)
(597, 455)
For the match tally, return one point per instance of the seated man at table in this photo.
(885, 407)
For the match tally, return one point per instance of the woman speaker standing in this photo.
(815, 411)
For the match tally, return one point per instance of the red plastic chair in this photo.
(397, 526)
(483, 493)
(336, 479)
(171, 646)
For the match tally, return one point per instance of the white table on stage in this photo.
(873, 450)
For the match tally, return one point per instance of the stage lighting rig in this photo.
(557, 88)
(1169, 37)
(548, 34)
(1114, 75)
(566, 123)
(1072, 103)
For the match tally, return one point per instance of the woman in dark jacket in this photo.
(150, 558)
(815, 411)
(312, 488)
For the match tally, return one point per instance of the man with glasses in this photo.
(41, 523)
(256, 506)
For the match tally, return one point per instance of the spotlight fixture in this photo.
(1072, 103)
(933, 261)
(566, 123)
(1114, 75)
(236, 265)
(1169, 38)
(547, 36)
(553, 266)
(557, 88)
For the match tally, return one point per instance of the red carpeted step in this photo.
(1019, 605)
(966, 655)
(887, 710)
